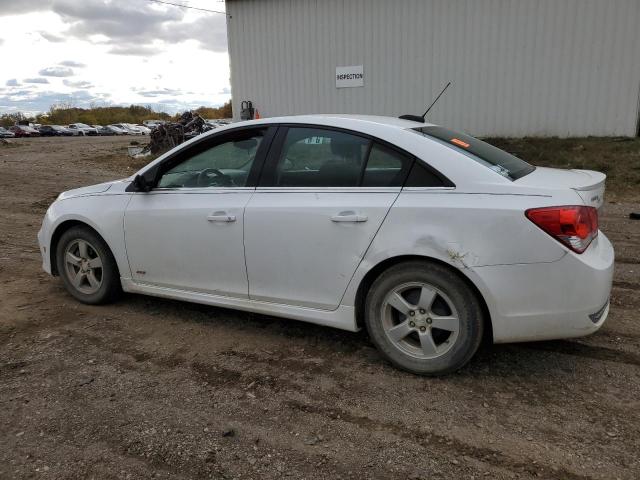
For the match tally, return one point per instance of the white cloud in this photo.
(56, 72)
(71, 63)
(78, 84)
(136, 50)
(50, 37)
(35, 80)
(129, 52)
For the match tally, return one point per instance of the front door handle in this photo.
(221, 217)
(349, 217)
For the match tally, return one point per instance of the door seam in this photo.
(244, 246)
(367, 250)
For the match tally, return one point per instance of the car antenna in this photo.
(417, 118)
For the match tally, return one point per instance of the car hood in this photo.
(90, 190)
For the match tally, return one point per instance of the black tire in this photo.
(449, 284)
(109, 288)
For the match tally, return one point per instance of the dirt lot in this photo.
(150, 387)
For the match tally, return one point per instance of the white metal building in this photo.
(517, 67)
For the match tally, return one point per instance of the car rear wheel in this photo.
(424, 318)
(87, 267)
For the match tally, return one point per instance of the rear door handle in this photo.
(349, 217)
(221, 217)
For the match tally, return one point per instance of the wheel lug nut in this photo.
(429, 321)
(412, 313)
(412, 324)
(422, 311)
(423, 329)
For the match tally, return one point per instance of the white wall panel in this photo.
(518, 67)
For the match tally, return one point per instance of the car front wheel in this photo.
(424, 318)
(87, 267)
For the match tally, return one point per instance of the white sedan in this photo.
(430, 239)
(82, 129)
(128, 128)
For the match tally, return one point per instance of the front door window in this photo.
(224, 165)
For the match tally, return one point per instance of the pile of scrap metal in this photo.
(166, 136)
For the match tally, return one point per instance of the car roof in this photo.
(339, 118)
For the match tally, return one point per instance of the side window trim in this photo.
(367, 156)
(268, 172)
(214, 140)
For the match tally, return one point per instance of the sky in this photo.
(112, 52)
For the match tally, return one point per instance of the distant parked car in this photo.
(103, 131)
(217, 122)
(128, 128)
(152, 123)
(83, 129)
(116, 130)
(54, 131)
(4, 133)
(27, 123)
(24, 131)
(143, 129)
(135, 128)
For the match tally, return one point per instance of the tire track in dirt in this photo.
(431, 441)
(235, 378)
(627, 261)
(232, 379)
(567, 347)
(626, 285)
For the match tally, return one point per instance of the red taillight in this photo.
(574, 225)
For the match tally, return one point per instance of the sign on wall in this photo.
(352, 76)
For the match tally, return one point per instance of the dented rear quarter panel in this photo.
(463, 229)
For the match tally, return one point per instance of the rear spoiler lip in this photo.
(592, 186)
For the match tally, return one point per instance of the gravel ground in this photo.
(155, 388)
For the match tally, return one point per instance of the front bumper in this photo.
(544, 301)
(44, 242)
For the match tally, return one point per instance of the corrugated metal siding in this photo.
(518, 67)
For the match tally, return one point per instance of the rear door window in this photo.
(503, 163)
(321, 157)
(315, 157)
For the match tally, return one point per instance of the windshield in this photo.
(503, 163)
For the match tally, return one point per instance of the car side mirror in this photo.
(141, 184)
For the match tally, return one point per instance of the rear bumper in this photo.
(544, 301)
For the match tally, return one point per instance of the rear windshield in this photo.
(497, 160)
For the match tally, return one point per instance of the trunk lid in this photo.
(588, 184)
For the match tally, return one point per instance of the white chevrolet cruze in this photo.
(429, 238)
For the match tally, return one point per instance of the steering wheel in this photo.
(205, 178)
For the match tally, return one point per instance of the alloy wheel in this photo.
(420, 320)
(83, 266)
